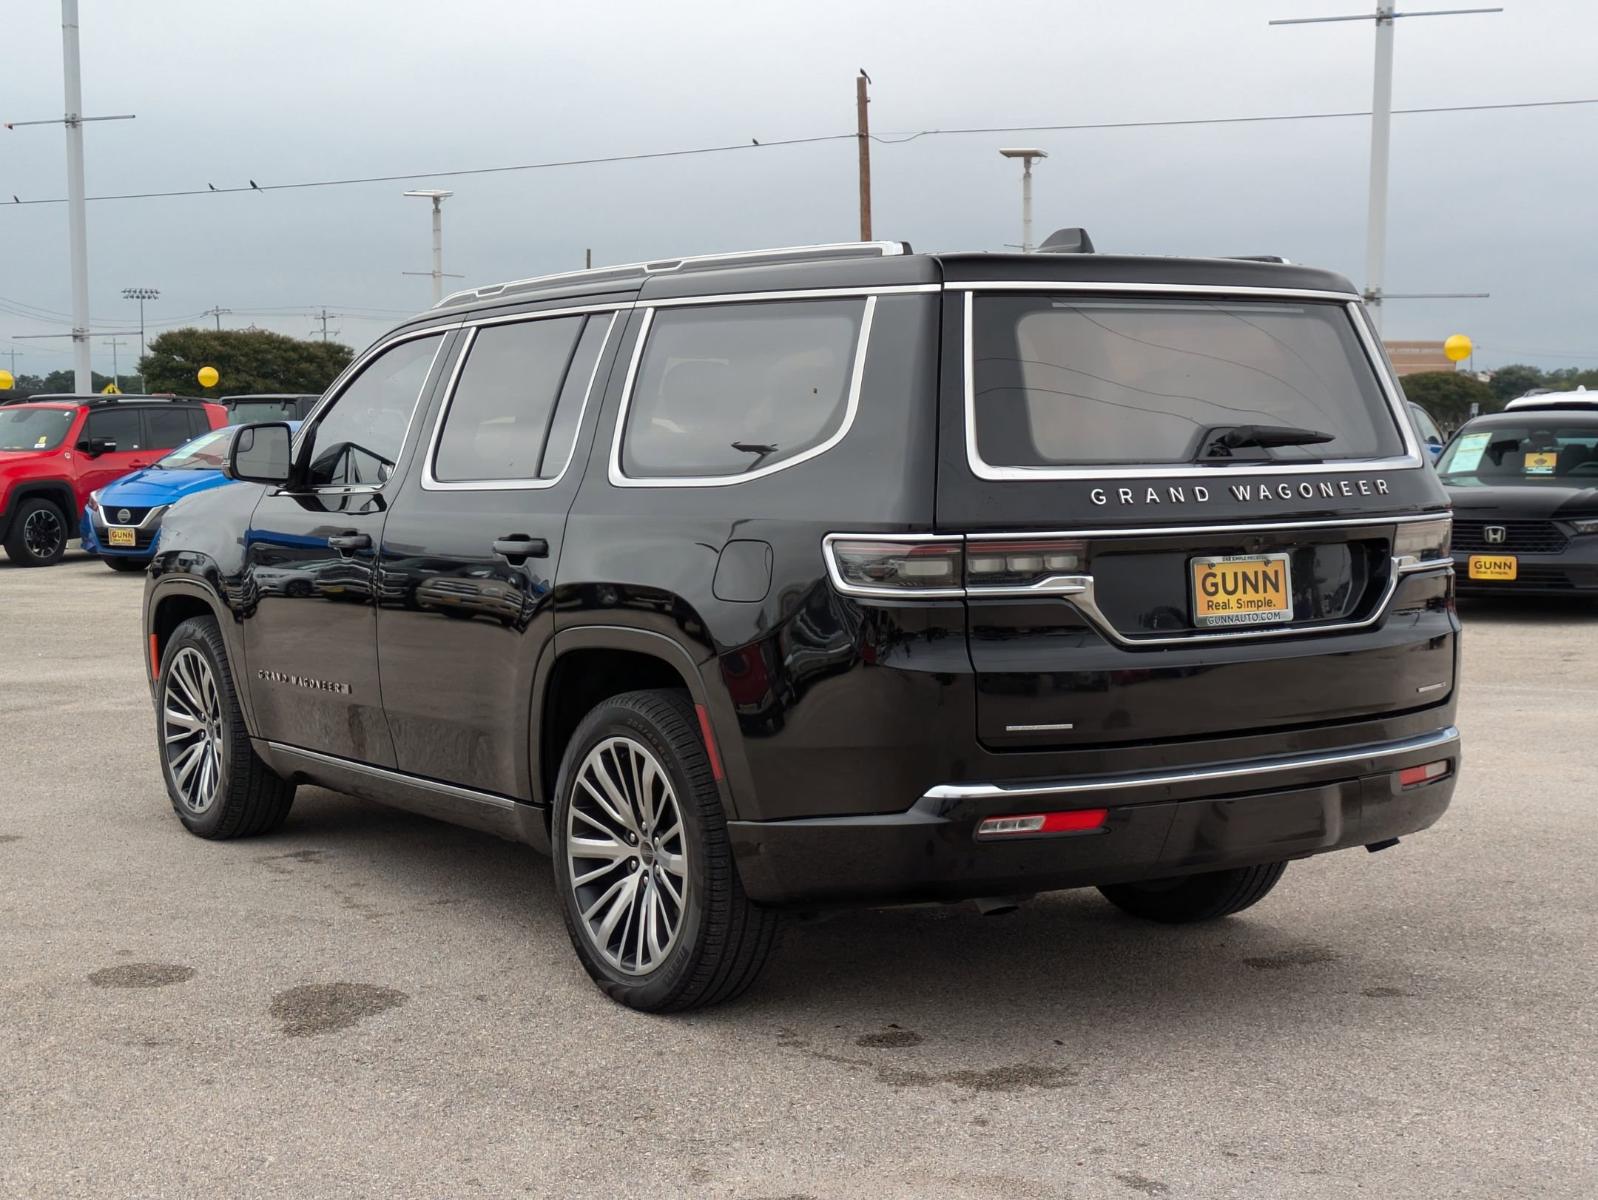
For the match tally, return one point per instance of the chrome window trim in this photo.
(339, 386)
(1179, 289)
(618, 478)
(1411, 459)
(1111, 531)
(912, 539)
(431, 483)
(1447, 737)
(826, 293)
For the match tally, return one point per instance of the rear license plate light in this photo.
(1082, 820)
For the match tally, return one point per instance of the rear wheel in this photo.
(38, 536)
(218, 785)
(1187, 898)
(643, 864)
(126, 564)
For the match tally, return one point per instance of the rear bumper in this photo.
(1572, 572)
(1159, 824)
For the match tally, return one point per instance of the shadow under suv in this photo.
(830, 576)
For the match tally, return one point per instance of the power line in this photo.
(885, 139)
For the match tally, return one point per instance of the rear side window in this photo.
(166, 428)
(730, 389)
(1079, 381)
(514, 412)
(119, 425)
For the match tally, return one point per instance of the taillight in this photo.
(884, 566)
(1428, 773)
(1014, 563)
(1082, 820)
(1423, 541)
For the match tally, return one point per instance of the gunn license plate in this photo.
(122, 537)
(1493, 566)
(1241, 589)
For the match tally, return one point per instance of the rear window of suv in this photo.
(1080, 381)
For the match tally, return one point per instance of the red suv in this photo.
(55, 450)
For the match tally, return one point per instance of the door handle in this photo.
(518, 548)
(348, 543)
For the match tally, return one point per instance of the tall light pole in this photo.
(141, 295)
(1026, 155)
(1381, 126)
(438, 198)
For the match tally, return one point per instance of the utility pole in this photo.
(116, 373)
(438, 198)
(1026, 154)
(77, 210)
(324, 316)
(13, 353)
(588, 259)
(141, 295)
(218, 312)
(1381, 125)
(863, 134)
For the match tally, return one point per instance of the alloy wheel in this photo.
(627, 856)
(192, 730)
(43, 533)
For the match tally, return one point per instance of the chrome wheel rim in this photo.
(626, 856)
(42, 533)
(192, 730)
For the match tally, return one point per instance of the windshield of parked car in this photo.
(1535, 451)
(33, 428)
(1061, 381)
(208, 452)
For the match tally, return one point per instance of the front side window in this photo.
(119, 425)
(1533, 452)
(358, 440)
(499, 419)
(1080, 381)
(729, 389)
(33, 428)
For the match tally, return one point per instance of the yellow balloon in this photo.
(1457, 348)
(208, 377)
(6, 381)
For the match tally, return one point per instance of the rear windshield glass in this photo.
(33, 428)
(1534, 452)
(1085, 381)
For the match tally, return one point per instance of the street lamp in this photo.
(438, 198)
(141, 295)
(1026, 154)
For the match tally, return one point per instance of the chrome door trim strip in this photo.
(1410, 460)
(851, 404)
(430, 483)
(1447, 737)
(451, 790)
(1175, 289)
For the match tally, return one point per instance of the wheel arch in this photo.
(588, 664)
(173, 600)
(58, 491)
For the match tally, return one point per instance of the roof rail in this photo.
(1270, 258)
(698, 262)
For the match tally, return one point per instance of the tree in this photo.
(1448, 395)
(247, 360)
(1516, 380)
(64, 381)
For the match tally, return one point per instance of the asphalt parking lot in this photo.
(372, 1004)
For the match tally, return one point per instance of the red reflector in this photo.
(710, 740)
(1082, 820)
(1410, 776)
(155, 657)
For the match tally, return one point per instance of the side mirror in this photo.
(94, 447)
(261, 454)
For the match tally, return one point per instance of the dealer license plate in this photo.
(121, 537)
(1493, 566)
(1241, 589)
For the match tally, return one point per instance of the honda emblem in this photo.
(1495, 535)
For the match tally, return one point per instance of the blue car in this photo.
(122, 521)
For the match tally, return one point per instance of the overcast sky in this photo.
(300, 90)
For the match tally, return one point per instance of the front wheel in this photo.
(38, 536)
(219, 787)
(643, 865)
(1185, 899)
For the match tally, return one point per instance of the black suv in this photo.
(830, 576)
(1524, 483)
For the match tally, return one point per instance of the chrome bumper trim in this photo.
(1446, 739)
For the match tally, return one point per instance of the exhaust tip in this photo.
(1373, 847)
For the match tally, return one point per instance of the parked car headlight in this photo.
(94, 499)
(1585, 525)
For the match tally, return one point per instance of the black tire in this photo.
(722, 939)
(1187, 898)
(39, 534)
(248, 798)
(126, 565)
